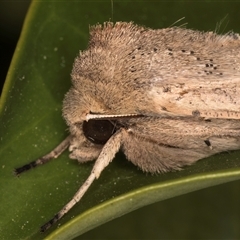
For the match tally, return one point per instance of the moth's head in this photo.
(91, 123)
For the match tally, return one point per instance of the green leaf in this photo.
(31, 123)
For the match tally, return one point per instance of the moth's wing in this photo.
(160, 145)
(194, 95)
(199, 75)
(207, 97)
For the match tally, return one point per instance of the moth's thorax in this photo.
(125, 64)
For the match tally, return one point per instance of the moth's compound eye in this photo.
(98, 131)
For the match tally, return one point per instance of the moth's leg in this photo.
(42, 160)
(106, 156)
(85, 154)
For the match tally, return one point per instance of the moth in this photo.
(165, 97)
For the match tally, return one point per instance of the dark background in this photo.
(12, 14)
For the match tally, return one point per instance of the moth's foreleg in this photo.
(42, 160)
(106, 156)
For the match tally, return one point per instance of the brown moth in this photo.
(166, 98)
